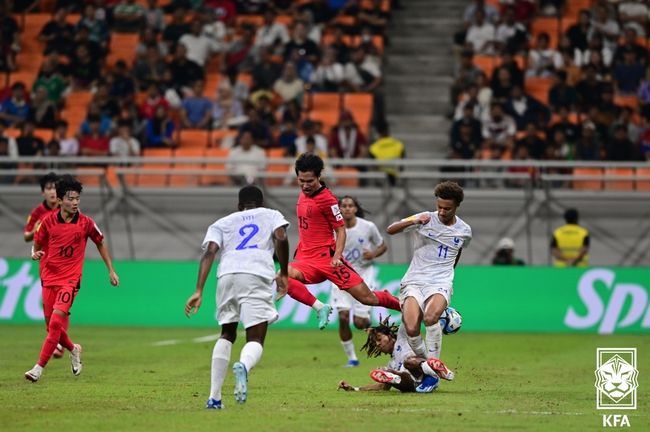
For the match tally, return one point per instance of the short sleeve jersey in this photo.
(361, 237)
(246, 241)
(401, 351)
(318, 216)
(66, 247)
(436, 247)
(38, 213)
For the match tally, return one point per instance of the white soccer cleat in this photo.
(34, 374)
(75, 360)
(385, 377)
(241, 382)
(439, 367)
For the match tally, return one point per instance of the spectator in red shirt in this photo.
(94, 143)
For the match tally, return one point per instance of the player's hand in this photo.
(38, 255)
(115, 280)
(282, 283)
(336, 261)
(423, 219)
(345, 386)
(368, 255)
(193, 304)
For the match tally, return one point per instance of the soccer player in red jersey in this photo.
(319, 253)
(49, 204)
(63, 235)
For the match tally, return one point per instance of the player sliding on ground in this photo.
(426, 288)
(405, 370)
(61, 240)
(247, 239)
(319, 255)
(363, 243)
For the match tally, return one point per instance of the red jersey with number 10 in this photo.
(66, 247)
(318, 215)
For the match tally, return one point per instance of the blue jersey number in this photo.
(353, 255)
(248, 232)
(442, 251)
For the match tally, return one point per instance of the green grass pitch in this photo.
(507, 382)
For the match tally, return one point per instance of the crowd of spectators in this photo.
(593, 71)
(268, 67)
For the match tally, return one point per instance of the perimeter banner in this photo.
(496, 299)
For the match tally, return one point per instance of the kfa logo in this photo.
(616, 383)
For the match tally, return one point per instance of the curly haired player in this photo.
(405, 370)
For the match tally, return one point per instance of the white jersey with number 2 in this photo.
(436, 247)
(246, 241)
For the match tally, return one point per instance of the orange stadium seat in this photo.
(360, 104)
(215, 179)
(587, 184)
(620, 185)
(630, 101)
(538, 88)
(276, 153)
(122, 48)
(486, 63)
(87, 179)
(325, 101)
(574, 7)
(194, 138)
(549, 25)
(644, 184)
(186, 180)
(328, 119)
(347, 181)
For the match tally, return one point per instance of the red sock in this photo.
(64, 340)
(387, 300)
(52, 338)
(298, 291)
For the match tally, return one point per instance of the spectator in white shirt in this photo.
(328, 76)
(271, 34)
(289, 86)
(199, 47)
(634, 14)
(247, 160)
(123, 144)
(309, 131)
(543, 60)
(607, 27)
(481, 35)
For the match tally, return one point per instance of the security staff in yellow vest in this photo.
(570, 244)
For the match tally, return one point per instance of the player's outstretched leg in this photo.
(436, 365)
(365, 296)
(75, 360)
(345, 334)
(435, 306)
(250, 355)
(55, 326)
(385, 377)
(241, 382)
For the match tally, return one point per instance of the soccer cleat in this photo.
(214, 404)
(58, 352)
(440, 368)
(34, 374)
(324, 316)
(428, 384)
(385, 377)
(352, 363)
(75, 360)
(241, 382)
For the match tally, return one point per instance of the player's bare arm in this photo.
(194, 302)
(37, 252)
(340, 245)
(281, 242)
(399, 226)
(106, 256)
(372, 254)
(370, 387)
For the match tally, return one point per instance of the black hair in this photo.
(67, 183)
(571, 216)
(385, 327)
(309, 162)
(361, 212)
(449, 190)
(47, 179)
(250, 195)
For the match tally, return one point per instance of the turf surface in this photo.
(503, 382)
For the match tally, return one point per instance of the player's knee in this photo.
(412, 362)
(412, 330)
(344, 318)
(361, 323)
(431, 317)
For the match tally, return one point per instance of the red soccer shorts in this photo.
(318, 269)
(58, 297)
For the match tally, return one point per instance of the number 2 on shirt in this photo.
(248, 232)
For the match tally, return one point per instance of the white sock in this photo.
(434, 340)
(250, 355)
(348, 347)
(427, 369)
(318, 305)
(417, 345)
(220, 360)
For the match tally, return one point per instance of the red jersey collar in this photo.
(74, 220)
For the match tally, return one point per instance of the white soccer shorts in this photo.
(422, 292)
(245, 298)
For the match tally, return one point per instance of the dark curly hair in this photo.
(449, 190)
(66, 184)
(47, 179)
(384, 327)
(309, 162)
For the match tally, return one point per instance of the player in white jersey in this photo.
(426, 288)
(247, 239)
(405, 370)
(363, 243)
